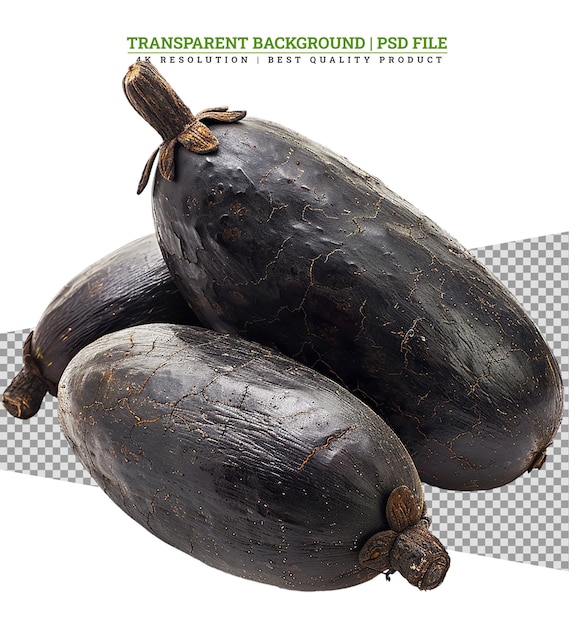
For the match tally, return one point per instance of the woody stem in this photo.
(155, 100)
(420, 557)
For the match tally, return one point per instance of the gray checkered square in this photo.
(527, 520)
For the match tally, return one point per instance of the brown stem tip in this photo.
(156, 102)
(24, 395)
(408, 547)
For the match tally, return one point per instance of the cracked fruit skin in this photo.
(246, 460)
(129, 286)
(277, 238)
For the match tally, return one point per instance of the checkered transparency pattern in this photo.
(527, 520)
(35, 446)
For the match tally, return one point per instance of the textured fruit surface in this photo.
(129, 286)
(239, 456)
(279, 239)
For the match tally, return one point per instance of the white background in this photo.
(478, 142)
